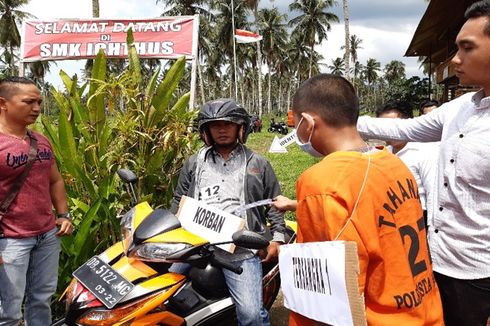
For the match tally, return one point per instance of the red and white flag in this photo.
(243, 36)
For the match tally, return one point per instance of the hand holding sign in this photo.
(208, 222)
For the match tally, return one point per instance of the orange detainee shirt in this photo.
(396, 276)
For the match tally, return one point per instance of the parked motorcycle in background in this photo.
(279, 127)
(130, 283)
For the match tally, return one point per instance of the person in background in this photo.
(367, 195)
(459, 228)
(227, 175)
(420, 158)
(427, 106)
(29, 232)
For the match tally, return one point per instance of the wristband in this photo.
(66, 215)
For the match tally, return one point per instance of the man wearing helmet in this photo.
(227, 175)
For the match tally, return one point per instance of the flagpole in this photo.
(234, 47)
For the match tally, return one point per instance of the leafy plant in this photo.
(108, 123)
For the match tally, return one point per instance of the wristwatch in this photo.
(66, 215)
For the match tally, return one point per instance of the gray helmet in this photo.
(224, 109)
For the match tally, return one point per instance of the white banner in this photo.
(319, 281)
(208, 222)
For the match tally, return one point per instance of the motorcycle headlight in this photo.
(158, 252)
(127, 229)
(103, 317)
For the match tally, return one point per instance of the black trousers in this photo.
(465, 302)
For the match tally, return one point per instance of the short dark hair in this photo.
(332, 97)
(9, 84)
(401, 107)
(426, 104)
(480, 9)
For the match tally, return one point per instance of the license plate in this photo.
(103, 281)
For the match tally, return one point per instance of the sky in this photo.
(385, 27)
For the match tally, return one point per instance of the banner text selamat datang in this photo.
(167, 37)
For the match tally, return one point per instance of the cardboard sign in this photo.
(279, 145)
(165, 37)
(320, 281)
(209, 222)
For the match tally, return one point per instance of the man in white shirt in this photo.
(459, 229)
(420, 158)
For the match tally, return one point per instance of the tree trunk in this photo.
(269, 102)
(95, 9)
(253, 109)
(259, 75)
(347, 40)
(201, 82)
(311, 58)
(279, 96)
(242, 89)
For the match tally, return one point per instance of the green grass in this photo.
(287, 166)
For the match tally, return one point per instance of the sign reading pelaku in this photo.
(209, 222)
(320, 281)
(165, 37)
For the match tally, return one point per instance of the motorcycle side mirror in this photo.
(250, 240)
(127, 176)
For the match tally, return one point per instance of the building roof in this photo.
(437, 30)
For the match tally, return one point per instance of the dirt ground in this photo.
(278, 314)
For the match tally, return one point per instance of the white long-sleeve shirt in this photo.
(459, 228)
(420, 158)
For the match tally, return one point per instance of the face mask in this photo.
(307, 147)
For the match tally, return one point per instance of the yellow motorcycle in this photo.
(130, 282)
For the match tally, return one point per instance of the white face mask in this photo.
(307, 147)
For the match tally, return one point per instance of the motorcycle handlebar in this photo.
(219, 262)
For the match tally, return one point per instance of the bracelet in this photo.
(66, 215)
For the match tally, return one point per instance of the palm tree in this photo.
(253, 5)
(394, 70)
(38, 70)
(273, 30)
(87, 71)
(313, 22)
(357, 69)
(190, 8)
(10, 18)
(225, 30)
(297, 56)
(370, 74)
(337, 67)
(347, 44)
(354, 45)
(371, 70)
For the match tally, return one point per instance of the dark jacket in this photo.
(261, 183)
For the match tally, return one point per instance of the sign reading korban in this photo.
(209, 222)
(320, 281)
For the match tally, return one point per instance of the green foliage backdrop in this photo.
(110, 123)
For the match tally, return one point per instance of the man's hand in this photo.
(65, 225)
(271, 253)
(283, 203)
